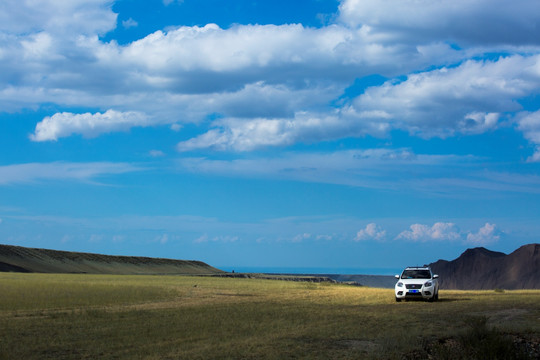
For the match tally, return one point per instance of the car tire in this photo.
(398, 300)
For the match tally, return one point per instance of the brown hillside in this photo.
(482, 269)
(21, 259)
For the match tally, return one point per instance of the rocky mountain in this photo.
(22, 259)
(482, 269)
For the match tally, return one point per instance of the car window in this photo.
(416, 274)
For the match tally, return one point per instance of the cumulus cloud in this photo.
(274, 85)
(247, 135)
(486, 235)
(438, 232)
(468, 99)
(372, 231)
(89, 125)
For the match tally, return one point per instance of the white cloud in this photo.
(467, 99)
(129, 23)
(301, 237)
(169, 2)
(388, 169)
(247, 135)
(461, 21)
(372, 231)
(89, 125)
(274, 85)
(220, 238)
(31, 172)
(162, 239)
(486, 235)
(65, 18)
(156, 153)
(529, 123)
(438, 232)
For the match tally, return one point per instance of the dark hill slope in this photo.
(482, 269)
(21, 259)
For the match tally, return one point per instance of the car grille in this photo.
(413, 286)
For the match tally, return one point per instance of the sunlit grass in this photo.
(177, 317)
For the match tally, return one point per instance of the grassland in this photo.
(45, 316)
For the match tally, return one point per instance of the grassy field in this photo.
(177, 317)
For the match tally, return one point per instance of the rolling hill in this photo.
(21, 259)
(482, 269)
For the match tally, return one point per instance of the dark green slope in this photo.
(21, 259)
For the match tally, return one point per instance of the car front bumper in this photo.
(425, 292)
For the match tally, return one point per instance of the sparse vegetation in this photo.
(175, 317)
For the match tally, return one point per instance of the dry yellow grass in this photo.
(176, 317)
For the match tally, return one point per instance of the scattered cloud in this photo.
(162, 239)
(220, 238)
(301, 237)
(438, 232)
(487, 234)
(372, 231)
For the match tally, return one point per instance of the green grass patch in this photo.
(177, 317)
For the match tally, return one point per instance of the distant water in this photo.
(313, 271)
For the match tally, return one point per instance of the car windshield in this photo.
(416, 274)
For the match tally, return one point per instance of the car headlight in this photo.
(400, 284)
(428, 284)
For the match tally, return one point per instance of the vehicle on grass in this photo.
(417, 282)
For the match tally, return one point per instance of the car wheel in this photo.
(398, 300)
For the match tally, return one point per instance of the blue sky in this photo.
(352, 134)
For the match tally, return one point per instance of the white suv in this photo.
(417, 283)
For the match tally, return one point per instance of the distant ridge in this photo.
(22, 259)
(482, 269)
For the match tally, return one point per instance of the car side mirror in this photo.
(397, 276)
(435, 276)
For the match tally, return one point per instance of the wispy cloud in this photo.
(388, 169)
(35, 172)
